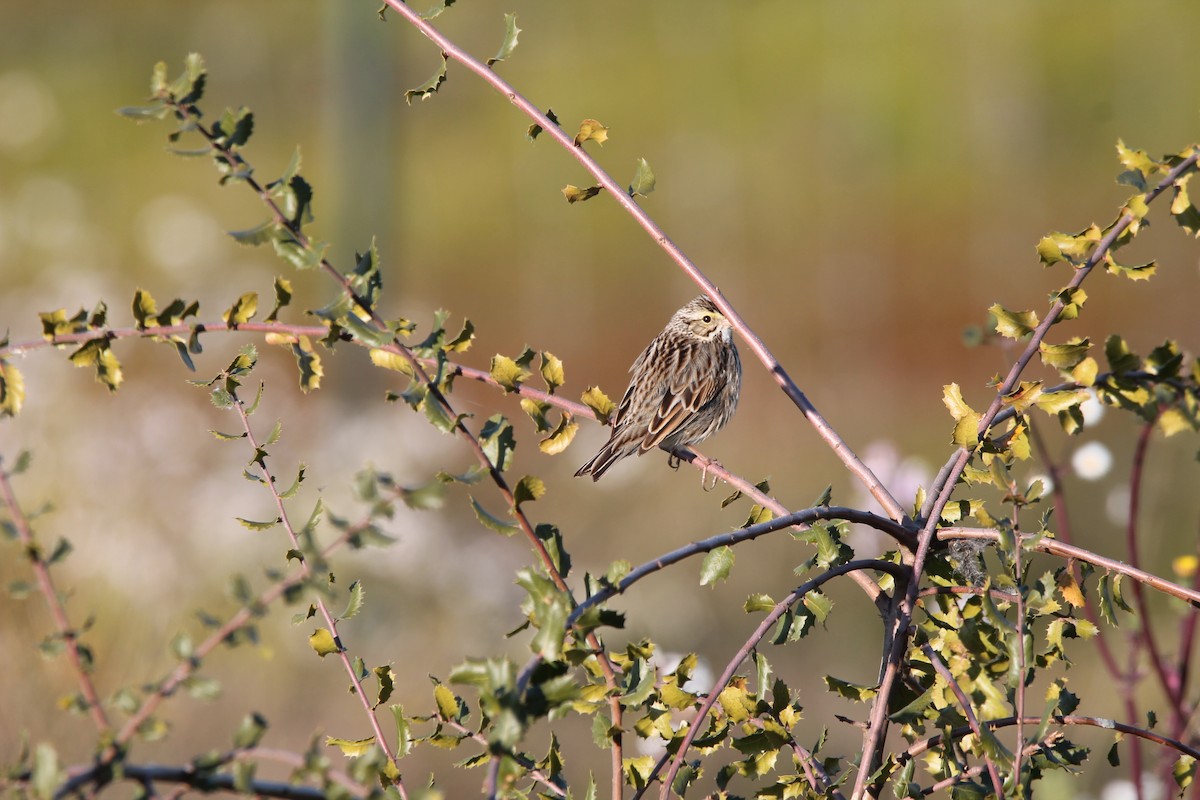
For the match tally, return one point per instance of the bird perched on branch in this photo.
(684, 388)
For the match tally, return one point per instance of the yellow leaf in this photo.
(591, 130)
(351, 748)
(1070, 588)
(390, 360)
(322, 642)
(966, 419)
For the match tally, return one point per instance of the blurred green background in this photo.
(862, 181)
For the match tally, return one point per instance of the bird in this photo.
(684, 388)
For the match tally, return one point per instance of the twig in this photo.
(925, 745)
(1168, 681)
(965, 703)
(305, 569)
(1063, 531)
(45, 582)
(1064, 550)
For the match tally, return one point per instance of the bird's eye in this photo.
(707, 318)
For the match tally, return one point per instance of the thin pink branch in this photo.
(58, 612)
(342, 653)
(1064, 550)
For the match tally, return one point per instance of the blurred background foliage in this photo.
(862, 180)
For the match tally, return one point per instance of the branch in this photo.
(735, 537)
(204, 781)
(305, 571)
(621, 196)
(1064, 550)
(1093, 722)
(58, 612)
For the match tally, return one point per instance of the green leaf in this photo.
(850, 691)
(508, 373)
(351, 748)
(1064, 356)
(323, 643)
(759, 602)
(355, 603)
(643, 180)
(819, 604)
(309, 364)
(1184, 771)
(966, 419)
(1186, 215)
(1013, 324)
(448, 705)
(552, 371)
(427, 89)
(1135, 272)
(528, 489)
(404, 741)
(599, 403)
(283, 296)
(511, 31)
(258, 526)
(12, 390)
(716, 565)
(574, 194)
(250, 732)
(496, 437)
(591, 130)
(492, 522)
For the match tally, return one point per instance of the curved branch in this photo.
(622, 197)
(742, 535)
(968, 712)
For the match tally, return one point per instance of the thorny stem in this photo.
(897, 644)
(622, 197)
(166, 687)
(62, 623)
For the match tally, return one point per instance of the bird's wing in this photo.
(680, 402)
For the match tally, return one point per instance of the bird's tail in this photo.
(599, 463)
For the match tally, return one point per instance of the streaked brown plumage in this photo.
(684, 388)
